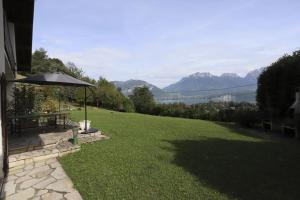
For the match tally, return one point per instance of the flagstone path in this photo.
(37, 175)
(42, 180)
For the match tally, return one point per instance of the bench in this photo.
(289, 130)
(267, 125)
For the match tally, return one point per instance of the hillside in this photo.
(150, 157)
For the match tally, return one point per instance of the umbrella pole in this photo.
(59, 100)
(85, 109)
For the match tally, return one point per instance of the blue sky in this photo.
(161, 41)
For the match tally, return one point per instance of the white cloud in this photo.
(163, 69)
(95, 62)
(162, 41)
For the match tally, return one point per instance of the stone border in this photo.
(17, 161)
(20, 160)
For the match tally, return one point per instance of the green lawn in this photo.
(151, 157)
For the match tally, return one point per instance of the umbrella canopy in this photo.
(58, 79)
(53, 79)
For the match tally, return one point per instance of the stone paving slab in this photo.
(40, 181)
(37, 175)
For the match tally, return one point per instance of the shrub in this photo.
(49, 105)
(246, 116)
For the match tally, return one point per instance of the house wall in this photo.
(11, 28)
(2, 69)
(7, 70)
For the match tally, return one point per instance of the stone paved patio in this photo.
(34, 139)
(38, 175)
(44, 180)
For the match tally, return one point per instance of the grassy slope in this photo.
(151, 157)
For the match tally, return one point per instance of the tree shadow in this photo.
(257, 132)
(241, 169)
(246, 131)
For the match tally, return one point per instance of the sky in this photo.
(161, 41)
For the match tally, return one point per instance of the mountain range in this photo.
(201, 87)
(127, 87)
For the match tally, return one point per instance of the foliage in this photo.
(49, 105)
(41, 63)
(74, 70)
(108, 96)
(24, 100)
(277, 85)
(151, 157)
(247, 116)
(214, 111)
(143, 100)
(31, 99)
(104, 94)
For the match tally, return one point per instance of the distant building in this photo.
(224, 98)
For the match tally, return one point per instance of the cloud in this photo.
(165, 68)
(96, 62)
(162, 41)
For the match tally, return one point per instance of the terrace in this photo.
(35, 140)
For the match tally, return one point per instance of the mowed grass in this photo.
(150, 157)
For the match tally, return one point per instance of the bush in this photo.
(49, 105)
(243, 113)
(247, 116)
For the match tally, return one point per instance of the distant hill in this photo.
(207, 81)
(253, 75)
(201, 87)
(127, 87)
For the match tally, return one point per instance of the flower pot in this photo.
(82, 124)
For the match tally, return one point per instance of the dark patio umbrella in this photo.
(57, 79)
(54, 79)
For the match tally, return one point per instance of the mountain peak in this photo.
(254, 74)
(207, 81)
(230, 75)
(201, 75)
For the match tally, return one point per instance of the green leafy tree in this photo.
(278, 84)
(74, 71)
(143, 100)
(105, 94)
(108, 96)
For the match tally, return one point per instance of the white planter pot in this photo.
(82, 124)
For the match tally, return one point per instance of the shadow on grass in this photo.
(246, 131)
(241, 169)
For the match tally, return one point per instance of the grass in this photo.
(150, 157)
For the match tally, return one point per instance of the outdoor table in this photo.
(20, 122)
